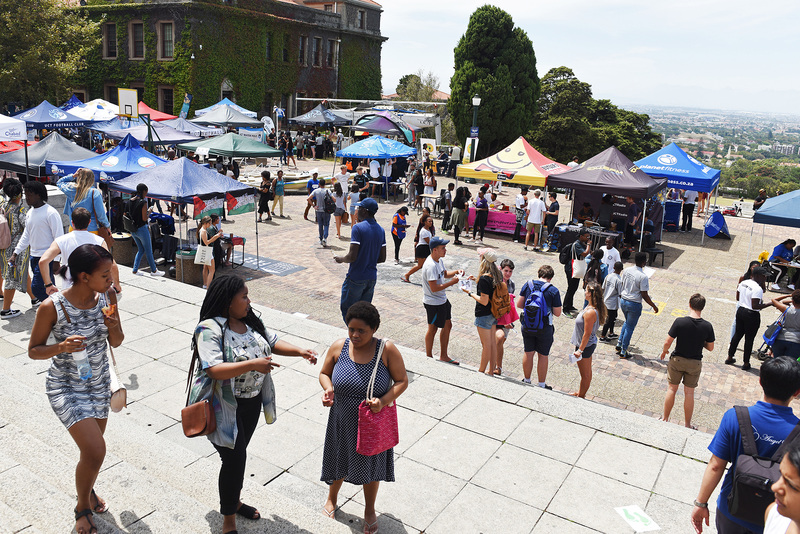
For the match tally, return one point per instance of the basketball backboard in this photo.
(128, 103)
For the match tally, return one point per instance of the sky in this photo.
(710, 54)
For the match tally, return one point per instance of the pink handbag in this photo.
(377, 432)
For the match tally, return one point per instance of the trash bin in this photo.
(186, 270)
(124, 250)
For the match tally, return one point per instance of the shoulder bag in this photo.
(198, 419)
(578, 264)
(102, 231)
(377, 432)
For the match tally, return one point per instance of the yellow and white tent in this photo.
(519, 163)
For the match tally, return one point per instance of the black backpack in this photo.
(565, 255)
(751, 491)
(329, 204)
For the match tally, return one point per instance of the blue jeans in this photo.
(354, 291)
(143, 246)
(632, 311)
(786, 348)
(323, 222)
(37, 284)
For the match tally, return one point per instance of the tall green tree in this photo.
(42, 46)
(495, 60)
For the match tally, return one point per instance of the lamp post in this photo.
(476, 102)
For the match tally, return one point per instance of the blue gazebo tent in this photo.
(681, 170)
(54, 146)
(46, 115)
(319, 116)
(377, 147)
(225, 102)
(123, 160)
(71, 103)
(778, 211)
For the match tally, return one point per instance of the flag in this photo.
(243, 203)
(208, 206)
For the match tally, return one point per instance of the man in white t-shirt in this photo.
(610, 254)
(689, 200)
(434, 297)
(535, 216)
(374, 169)
(520, 212)
(64, 246)
(343, 178)
(750, 296)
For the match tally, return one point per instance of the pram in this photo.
(770, 335)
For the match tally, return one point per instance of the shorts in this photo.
(485, 321)
(338, 212)
(588, 351)
(687, 369)
(539, 342)
(438, 314)
(422, 251)
(533, 226)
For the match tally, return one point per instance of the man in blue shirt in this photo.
(772, 421)
(367, 250)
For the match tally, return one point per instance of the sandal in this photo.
(87, 513)
(331, 514)
(498, 371)
(371, 528)
(100, 507)
(248, 512)
(404, 279)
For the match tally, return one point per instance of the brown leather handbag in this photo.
(198, 419)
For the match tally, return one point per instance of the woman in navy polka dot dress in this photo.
(345, 376)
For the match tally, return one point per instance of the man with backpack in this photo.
(576, 251)
(771, 420)
(539, 301)
(319, 199)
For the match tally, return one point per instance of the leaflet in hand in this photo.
(465, 284)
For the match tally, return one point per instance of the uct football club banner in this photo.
(242, 203)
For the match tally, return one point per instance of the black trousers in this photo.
(517, 231)
(688, 213)
(481, 218)
(231, 474)
(610, 319)
(781, 272)
(572, 288)
(747, 325)
(397, 242)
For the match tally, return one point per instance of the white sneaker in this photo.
(157, 273)
(324, 243)
(139, 273)
(790, 286)
(775, 287)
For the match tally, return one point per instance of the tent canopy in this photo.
(319, 116)
(53, 147)
(193, 129)
(609, 172)
(225, 102)
(93, 112)
(160, 134)
(233, 145)
(12, 129)
(377, 147)
(680, 169)
(384, 123)
(518, 163)
(71, 103)
(123, 160)
(228, 116)
(117, 123)
(46, 115)
(780, 211)
(180, 180)
(155, 115)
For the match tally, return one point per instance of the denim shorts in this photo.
(485, 321)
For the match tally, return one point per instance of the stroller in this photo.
(770, 335)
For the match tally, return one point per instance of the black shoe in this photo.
(546, 387)
(730, 361)
(612, 335)
(746, 366)
(457, 242)
(604, 339)
(35, 302)
(618, 349)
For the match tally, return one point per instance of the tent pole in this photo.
(258, 256)
(705, 220)
(750, 246)
(26, 157)
(644, 216)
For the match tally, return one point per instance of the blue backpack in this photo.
(536, 314)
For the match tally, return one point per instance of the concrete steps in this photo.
(151, 481)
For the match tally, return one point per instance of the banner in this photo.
(243, 203)
(468, 149)
(208, 206)
(187, 100)
(252, 133)
(428, 149)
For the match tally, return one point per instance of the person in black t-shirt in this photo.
(693, 334)
(760, 199)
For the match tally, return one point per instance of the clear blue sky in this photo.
(714, 54)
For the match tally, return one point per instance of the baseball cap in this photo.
(370, 205)
(435, 241)
(488, 254)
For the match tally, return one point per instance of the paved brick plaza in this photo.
(637, 385)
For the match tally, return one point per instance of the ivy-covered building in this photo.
(259, 53)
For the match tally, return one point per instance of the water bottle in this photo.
(81, 359)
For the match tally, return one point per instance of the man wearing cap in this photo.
(580, 248)
(760, 199)
(311, 185)
(434, 297)
(367, 250)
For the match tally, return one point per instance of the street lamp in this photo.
(476, 102)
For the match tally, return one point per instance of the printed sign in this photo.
(637, 519)
(468, 149)
(473, 131)
(187, 101)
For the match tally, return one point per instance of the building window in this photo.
(112, 95)
(330, 55)
(329, 8)
(80, 94)
(303, 47)
(166, 40)
(317, 52)
(139, 91)
(110, 38)
(300, 105)
(268, 47)
(136, 38)
(361, 19)
(165, 99)
(286, 48)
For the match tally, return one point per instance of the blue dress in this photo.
(340, 459)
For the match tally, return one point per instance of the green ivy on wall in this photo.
(359, 72)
